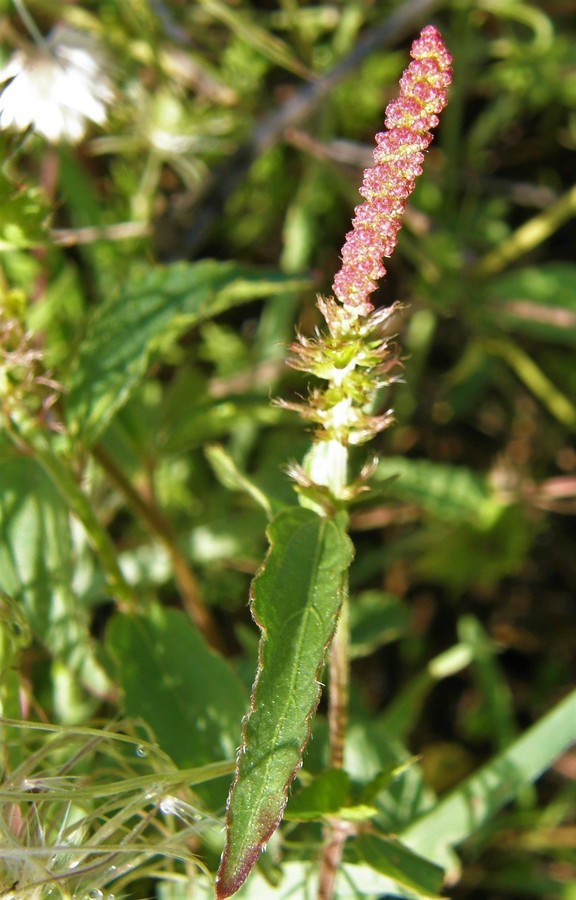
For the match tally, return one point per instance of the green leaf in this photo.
(391, 858)
(326, 796)
(464, 555)
(186, 693)
(262, 41)
(494, 718)
(296, 601)
(478, 798)
(36, 569)
(148, 313)
(537, 301)
(23, 216)
(450, 493)
(376, 618)
(14, 636)
(230, 476)
(384, 779)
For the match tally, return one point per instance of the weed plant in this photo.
(177, 181)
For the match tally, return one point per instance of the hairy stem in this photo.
(336, 831)
(339, 686)
(335, 834)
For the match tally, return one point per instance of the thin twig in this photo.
(121, 231)
(160, 526)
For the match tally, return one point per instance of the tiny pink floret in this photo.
(398, 159)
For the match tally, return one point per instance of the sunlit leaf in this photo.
(145, 315)
(296, 601)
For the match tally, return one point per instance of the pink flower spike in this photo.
(398, 158)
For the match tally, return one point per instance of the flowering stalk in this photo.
(355, 358)
(299, 594)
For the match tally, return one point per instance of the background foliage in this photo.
(161, 268)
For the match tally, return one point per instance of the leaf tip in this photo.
(239, 857)
(229, 878)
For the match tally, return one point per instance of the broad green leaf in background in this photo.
(450, 493)
(388, 775)
(327, 795)
(186, 693)
(146, 314)
(376, 618)
(296, 601)
(460, 555)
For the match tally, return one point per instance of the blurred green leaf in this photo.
(477, 799)
(450, 493)
(463, 555)
(233, 479)
(14, 636)
(495, 717)
(186, 693)
(404, 711)
(403, 865)
(37, 570)
(264, 42)
(144, 316)
(24, 216)
(326, 795)
(376, 618)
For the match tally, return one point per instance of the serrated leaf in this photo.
(145, 314)
(296, 601)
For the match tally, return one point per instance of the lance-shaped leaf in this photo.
(296, 599)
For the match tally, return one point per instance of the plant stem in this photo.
(159, 525)
(529, 235)
(336, 831)
(339, 685)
